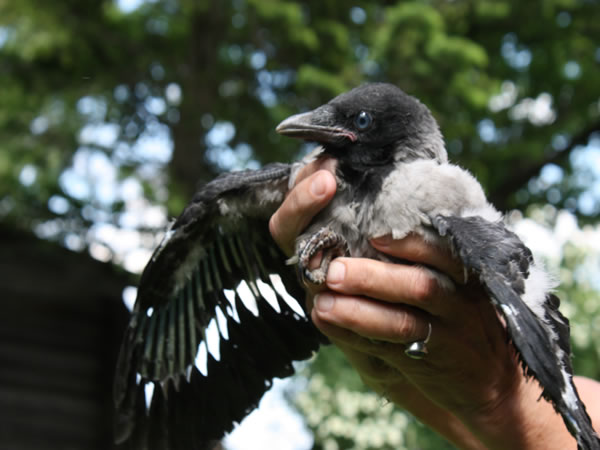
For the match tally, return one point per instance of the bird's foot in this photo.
(330, 244)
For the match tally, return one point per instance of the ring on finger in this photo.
(418, 349)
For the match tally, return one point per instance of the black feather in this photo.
(220, 240)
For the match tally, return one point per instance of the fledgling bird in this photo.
(393, 178)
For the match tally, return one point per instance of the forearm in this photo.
(520, 421)
(523, 420)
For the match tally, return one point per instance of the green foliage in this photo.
(582, 306)
(343, 414)
(580, 293)
(272, 58)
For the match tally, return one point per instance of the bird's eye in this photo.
(363, 120)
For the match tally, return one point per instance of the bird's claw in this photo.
(316, 276)
(330, 243)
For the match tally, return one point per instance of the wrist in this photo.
(519, 418)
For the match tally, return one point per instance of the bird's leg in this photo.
(330, 243)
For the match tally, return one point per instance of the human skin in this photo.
(470, 387)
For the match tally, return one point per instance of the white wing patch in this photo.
(268, 294)
(291, 301)
(247, 297)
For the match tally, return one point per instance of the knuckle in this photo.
(361, 280)
(274, 227)
(292, 202)
(278, 232)
(354, 315)
(300, 199)
(424, 286)
(403, 326)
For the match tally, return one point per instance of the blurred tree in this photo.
(111, 111)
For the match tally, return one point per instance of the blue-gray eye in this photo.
(363, 120)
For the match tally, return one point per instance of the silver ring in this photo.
(418, 349)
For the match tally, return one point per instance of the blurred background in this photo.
(113, 111)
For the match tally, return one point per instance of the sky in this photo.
(129, 5)
(274, 425)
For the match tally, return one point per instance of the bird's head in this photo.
(375, 123)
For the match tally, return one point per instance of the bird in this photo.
(393, 178)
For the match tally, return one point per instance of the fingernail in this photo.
(318, 186)
(336, 272)
(382, 241)
(324, 302)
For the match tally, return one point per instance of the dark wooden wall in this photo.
(61, 320)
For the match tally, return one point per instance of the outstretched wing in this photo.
(539, 332)
(218, 247)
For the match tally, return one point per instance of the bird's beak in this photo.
(318, 125)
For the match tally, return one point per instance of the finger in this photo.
(349, 341)
(415, 249)
(300, 206)
(372, 319)
(323, 163)
(390, 282)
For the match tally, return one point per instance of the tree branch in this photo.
(522, 175)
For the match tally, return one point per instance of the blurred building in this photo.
(61, 321)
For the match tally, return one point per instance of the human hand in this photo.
(315, 187)
(470, 387)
